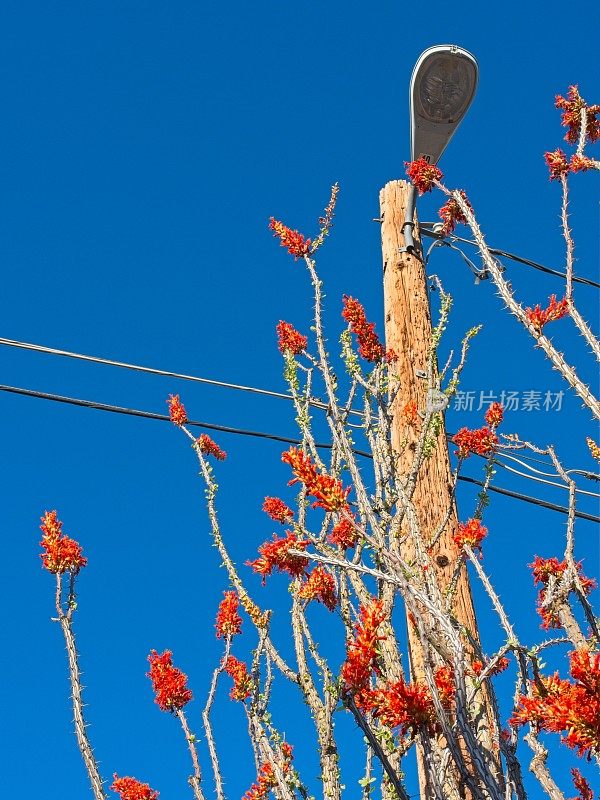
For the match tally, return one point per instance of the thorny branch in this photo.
(65, 618)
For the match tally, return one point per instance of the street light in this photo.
(442, 87)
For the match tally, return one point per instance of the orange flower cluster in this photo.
(319, 586)
(242, 681)
(572, 106)
(264, 783)
(581, 163)
(276, 555)
(559, 166)
(177, 410)
(451, 213)
(266, 777)
(328, 491)
(344, 534)
(543, 569)
(494, 415)
(423, 174)
(478, 666)
(369, 346)
(582, 786)
(61, 553)
(539, 317)
(480, 441)
(565, 707)
(132, 789)
(290, 339)
(277, 510)
(557, 163)
(410, 414)
(444, 680)
(471, 533)
(409, 706)
(361, 652)
(168, 682)
(210, 448)
(229, 622)
(295, 242)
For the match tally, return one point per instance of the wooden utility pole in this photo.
(408, 332)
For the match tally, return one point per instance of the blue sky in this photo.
(143, 148)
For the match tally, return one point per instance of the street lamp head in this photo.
(442, 87)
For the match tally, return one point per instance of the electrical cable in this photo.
(262, 435)
(530, 468)
(425, 231)
(154, 371)
(543, 480)
(265, 392)
(585, 473)
(134, 412)
(526, 498)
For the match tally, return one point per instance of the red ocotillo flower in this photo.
(501, 665)
(557, 164)
(361, 652)
(319, 586)
(369, 346)
(582, 786)
(297, 245)
(480, 441)
(177, 410)
(132, 789)
(494, 415)
(572, 106)
(242, 681)
(581, 163)
(539, 317)
(229, 622)
(168, 682)
(546, 569)
(471, 533)
(451, 213)
(423, 174)
(328, 491)
(410, 414)
(266, 779)
(569, 708)
(61, 553)
(210, 448)
(344, 534)
(409, 706)
(275, 555)
(277, 510)
(289, 339)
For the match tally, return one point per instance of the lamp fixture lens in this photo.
(446, 89)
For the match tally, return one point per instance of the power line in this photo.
(227, 385)
(526, 498)
(134, 412)
(542, 480)
(504, 254)
(154, 371)
(262, 435)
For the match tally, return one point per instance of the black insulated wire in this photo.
(133, 412)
